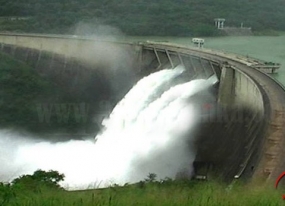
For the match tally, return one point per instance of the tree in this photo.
(151, 177)
(39, 180)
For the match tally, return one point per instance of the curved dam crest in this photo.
(243, 137)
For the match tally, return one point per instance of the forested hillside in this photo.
(142, 17)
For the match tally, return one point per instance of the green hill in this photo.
(142, 17)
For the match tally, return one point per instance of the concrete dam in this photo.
(243, 139)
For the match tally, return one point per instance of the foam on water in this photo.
(147, 132)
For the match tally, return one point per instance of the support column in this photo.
(39, 58)
(139, 56)
(51, 61)
(13, 50)
(65, 61)
(227, 86)
(222, 25)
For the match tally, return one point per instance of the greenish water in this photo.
(262, 47)
(267, 48)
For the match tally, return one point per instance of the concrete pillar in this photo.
(28, 51)
(13, 50)
(226, 94)
(39, 58)
(51, 61)
(65, 61)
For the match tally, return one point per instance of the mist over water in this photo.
(149, 131)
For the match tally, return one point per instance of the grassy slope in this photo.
(170, 193)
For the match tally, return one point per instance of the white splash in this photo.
(147, 132)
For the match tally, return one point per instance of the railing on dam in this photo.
(259, 154)
(153, 59)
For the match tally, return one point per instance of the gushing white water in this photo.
(147, 132)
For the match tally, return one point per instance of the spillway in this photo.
(149, 131)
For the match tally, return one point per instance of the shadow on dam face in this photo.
(227, 143)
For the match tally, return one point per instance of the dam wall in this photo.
(236, 131)
(243, 91)
(247, 112)
(92, 86)
(270, 154)
(87, 51)
(240, 140)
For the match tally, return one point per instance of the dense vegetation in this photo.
(42, 188)
(143, 17)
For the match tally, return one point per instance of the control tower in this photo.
(219, 23)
